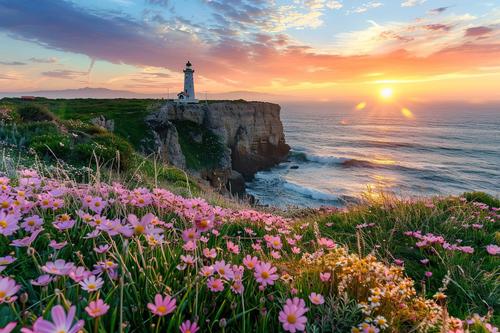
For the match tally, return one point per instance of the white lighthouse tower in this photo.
(187, 95)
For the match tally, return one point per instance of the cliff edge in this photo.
(251, 135)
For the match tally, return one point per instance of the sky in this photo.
(302, 49)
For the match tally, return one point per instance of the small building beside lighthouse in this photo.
(187, 95)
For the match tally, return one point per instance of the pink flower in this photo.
(265, 273)
(58, 267)
(79, 273)
(102, 249)
(224, 270)
(97, 205)
(233, 248)
(9, 327)
(189, 327)
(326, 242)
(215, 285)
(8, 288)
(325, 277)
(42, 280)
(399, 262)
(61, 322)
(493, 249)
(316, 298)
(57, 246)
(292, 316)
(162, 305)
(428, 274)
(210, 253)
(190, 235)
(97, 308)
(92, 284)
(424, 261)
(8, 224)
(32, 223)
(7, 260)
(250, 262)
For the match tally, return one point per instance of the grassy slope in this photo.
(128, 114)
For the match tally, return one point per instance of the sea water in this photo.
(340, 153)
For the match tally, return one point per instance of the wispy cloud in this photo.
(365, 7)
(412, 3)
(477, 31)
(12, 63)
(51, 60)
(65, 74)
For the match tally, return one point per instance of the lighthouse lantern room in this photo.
(187, 95)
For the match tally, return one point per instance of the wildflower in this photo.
(265, 273)
(428, 274)
(204, 224)
(215, 285)
(189, 327)
(102, 249)
(399, 262)
(424, 261)
(325, 277)
(250, 262)
(79, 273)
(162, 305)
(91, 284)
(224, 270)
(9, 327)
(237, 287)
(32, 223)
(8, 224)
(8, 288)
(326, 242)
(61, 322)
(97, 205)
(7, 260)
(292, 316)
(206, 271)
(190, 235)
(368, 328)
(316, 299)
(57, 246)
(381, 322)
(233, 248)
(273, 242)
(58, 267)
(42, 280)
(210, 253)
(97, 308)
(493, 249)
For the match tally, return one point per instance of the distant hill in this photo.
(88, 92)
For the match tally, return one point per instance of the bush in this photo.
(35, 113)
(107, 144)
(52, 144)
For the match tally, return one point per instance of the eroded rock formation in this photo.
(252, 131)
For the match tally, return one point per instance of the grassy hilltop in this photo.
(139, 247)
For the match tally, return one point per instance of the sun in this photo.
(386, 93)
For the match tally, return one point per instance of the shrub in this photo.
(107, 144)
(52, 144)
(35, 113)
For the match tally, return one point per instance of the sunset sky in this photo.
(321, 49)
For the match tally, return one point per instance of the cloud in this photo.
(439, 10)
(477, 31)
(412, 3)
(332, 4)
(43, 60)
(12, 63)
(65, 74)
(163, 3)
(365, 7)
(7, 77)
(437, 27)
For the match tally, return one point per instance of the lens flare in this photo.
(407, 113)
(386, 93)
(361, 106)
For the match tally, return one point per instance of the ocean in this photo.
(340, 153)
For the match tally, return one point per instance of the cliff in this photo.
(251, 134)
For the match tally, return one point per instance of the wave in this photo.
(345, 162)
(309, 192)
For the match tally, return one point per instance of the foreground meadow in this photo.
(107, 257)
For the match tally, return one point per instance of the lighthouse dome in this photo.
(188, 64)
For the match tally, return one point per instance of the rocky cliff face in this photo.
(252, 131)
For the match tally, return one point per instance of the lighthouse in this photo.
(187, 95)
